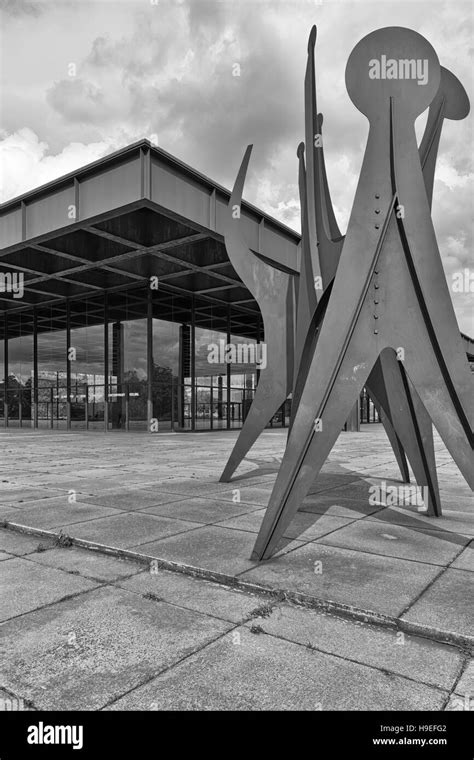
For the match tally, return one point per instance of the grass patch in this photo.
(257, 629)
(63, 540)
(264, 611)
(152, 596)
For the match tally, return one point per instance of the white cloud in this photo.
(166, 69)
(25, 162)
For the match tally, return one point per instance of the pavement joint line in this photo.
(320, 542)
(164, 670)
(75, 573)
(62, 599)
(246, 619)
(462, 670)
(134, 512)
(338, 609)
(119, 512)
(430, 583)
(345, 658)
(467, 545)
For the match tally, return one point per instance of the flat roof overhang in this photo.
(113, 224)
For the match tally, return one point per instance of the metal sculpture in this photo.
(398, 300)
(321, 246)
(404, 417)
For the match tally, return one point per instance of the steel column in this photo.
(106, 362)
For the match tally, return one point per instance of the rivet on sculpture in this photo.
(383, 318)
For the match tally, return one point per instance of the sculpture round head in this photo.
(456, 100)
(393, 63)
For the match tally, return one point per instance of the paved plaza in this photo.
(156, 604)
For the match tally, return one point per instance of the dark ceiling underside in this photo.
(118, 256)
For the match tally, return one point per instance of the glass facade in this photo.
(114, 362)
(109, 362)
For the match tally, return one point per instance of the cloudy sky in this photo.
(82, 79)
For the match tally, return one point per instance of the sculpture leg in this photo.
(394, 440)
(411, 423)
(266, 402)
(322, 411)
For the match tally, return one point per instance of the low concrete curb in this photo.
(301, 599)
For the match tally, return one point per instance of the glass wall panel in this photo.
(243, 377)
(211, 379)
(2, 371)
(52, 393)
(87, 390)
(165, 373)
(135, 358)
(20, 370)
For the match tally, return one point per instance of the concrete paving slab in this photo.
(88, 564)
(338, 504)
(18, 543)
(27, 585)
(367, 581)
(206, 511)
(184, 469)
(21, 495)
(54, 501)
(6, 509)
(466, 682)
(223, 550)
(131, 499)
(55, 515)
(447, 604)
(258, 495)
(390, 540)
(411, 656)
(459, 523)
(459, 502)
(465, 560)
(195, 594)
(86, 486)
(304, 527)
(127, 529)
(327, 481)
(10, 702)
(188, 486)
(246, 671)
(459, 703)
(85, 651)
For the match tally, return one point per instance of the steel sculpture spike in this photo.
(324, 252)
(306, 293)
(375, 384)
(451, 102)
(391, 258)
(273, 291)
(310, 110)
(405, 420)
